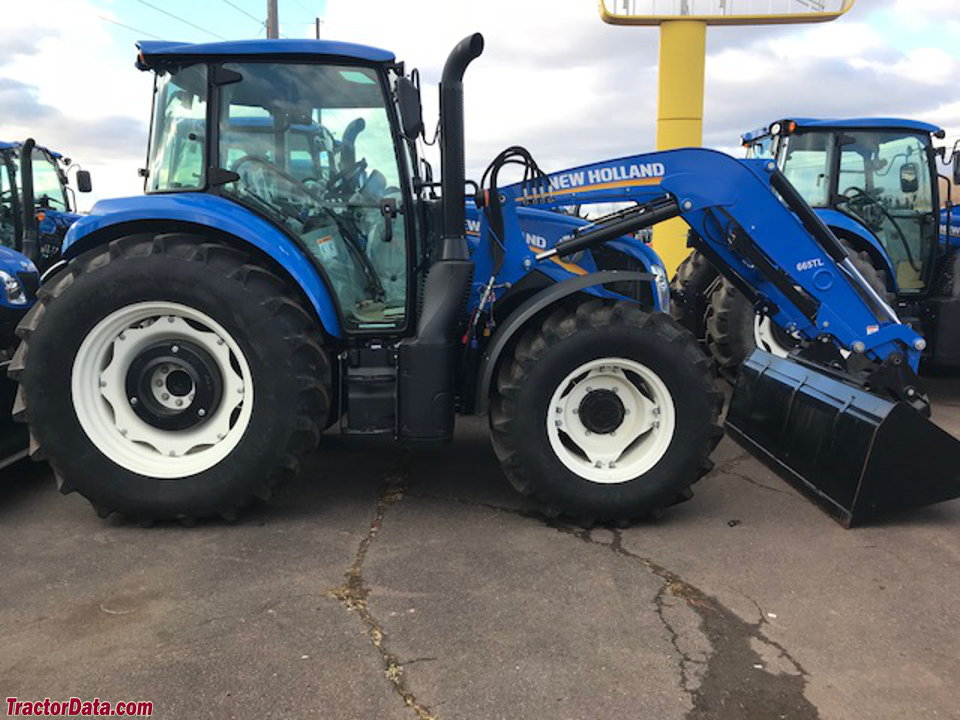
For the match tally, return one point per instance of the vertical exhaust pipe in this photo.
(31, 234)
(452, 164)
(427, 363)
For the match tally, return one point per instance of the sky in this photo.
(553, 77)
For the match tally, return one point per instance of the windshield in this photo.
(885, 181)
(48, 190)
(312, 148)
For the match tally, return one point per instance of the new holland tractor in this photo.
(35, 212)
(875, 182)
(200, 338)
(36, 207)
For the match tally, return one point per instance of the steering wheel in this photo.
(857, 194)
(347, 179)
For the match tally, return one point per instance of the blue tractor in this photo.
(36, 203)
(875, 182)
(199, 339)
(35, 213)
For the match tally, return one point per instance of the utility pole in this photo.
(273, 22)
(318, 28)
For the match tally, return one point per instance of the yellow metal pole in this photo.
(683, 49)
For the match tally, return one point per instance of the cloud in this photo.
(553, 78)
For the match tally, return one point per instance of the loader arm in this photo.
(751, 222)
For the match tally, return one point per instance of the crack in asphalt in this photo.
(353, 593)
(735, 684)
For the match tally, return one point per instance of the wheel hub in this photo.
(611, 420)
(601, 411)
(174, 385)
(162, 389)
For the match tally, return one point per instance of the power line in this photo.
(177, 17)
(128, 27)
(241, 10)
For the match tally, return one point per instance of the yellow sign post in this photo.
(683, 40)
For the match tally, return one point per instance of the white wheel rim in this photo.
(99, 390)
(636, 445)
(765, 337)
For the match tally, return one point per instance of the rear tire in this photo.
(690, 292)
(578, 379)
(103, 348)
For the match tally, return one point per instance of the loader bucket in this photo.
(857, 455)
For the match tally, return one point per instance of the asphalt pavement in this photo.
(395, 584)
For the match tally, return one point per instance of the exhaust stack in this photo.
(427, 362)
(452, 165)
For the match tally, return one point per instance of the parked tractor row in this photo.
(292, 268)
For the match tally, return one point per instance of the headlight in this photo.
(663, 288)
(12, 289)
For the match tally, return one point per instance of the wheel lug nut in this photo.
(173, 453)
(121, 336)
(165, 396)
(240, 389)
(616, 389)
(576, 411)
(159, 383)
(103, 383)
(559, 411)
(626, 411)
(170, 318)
(123, 431)
(559, 423)
(164, 369)
(220, 436)
(179, 403)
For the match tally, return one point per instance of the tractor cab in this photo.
(879, 174)
(306, 142)
(36, 203)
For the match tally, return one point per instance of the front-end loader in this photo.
(201, 338)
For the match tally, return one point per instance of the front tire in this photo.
(606, 413)
(170, 378)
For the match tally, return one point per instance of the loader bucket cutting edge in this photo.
(859, 456)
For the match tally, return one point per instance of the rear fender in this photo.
(509, 329)
(861, 238)
(199, 212)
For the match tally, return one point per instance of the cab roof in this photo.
(161, 52)
(18, 145)
(865, 123)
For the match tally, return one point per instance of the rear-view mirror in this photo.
(411, 109)
(909, 177)
(84, 184)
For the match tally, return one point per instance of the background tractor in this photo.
(875, 182)
(35, 212)
(36, 203)
(199, 339)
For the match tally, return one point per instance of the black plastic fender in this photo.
(529, 309)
